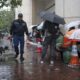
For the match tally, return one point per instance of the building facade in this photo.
(26, 9)
(69, 9)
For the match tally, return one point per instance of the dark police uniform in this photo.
(17, 30)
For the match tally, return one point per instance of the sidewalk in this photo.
(31, 69)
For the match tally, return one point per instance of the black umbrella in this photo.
(52, 17)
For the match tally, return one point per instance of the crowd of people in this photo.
(48, 36)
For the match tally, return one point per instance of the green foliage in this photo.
(15, 3)
(6, 18)
(12, 3)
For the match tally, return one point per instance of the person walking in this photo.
(17, 30)
(51, 34)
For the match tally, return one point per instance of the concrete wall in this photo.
(38, 6)
(26, 9)
(69, 9)
(31, 10)
(49, 5)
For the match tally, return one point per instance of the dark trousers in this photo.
(49, 41)
(18, 42)
(79, 54)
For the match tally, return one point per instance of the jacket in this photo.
(19, 27)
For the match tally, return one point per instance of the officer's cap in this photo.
(20, 15)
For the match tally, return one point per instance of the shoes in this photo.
(51, 62)
(16, 56)
(42, 62)
(21, 58)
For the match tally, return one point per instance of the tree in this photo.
(6, 18)
(12, 3)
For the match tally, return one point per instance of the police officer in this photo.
(17, 30)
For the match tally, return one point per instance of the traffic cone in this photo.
(39, 48)
(74, 61)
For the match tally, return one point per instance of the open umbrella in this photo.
(32, 26)
(52, 17)
(73, 35)
(71, 24)
(40, 26)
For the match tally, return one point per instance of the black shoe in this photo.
(16, 56)
(21, 58)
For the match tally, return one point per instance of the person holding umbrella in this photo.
(51, 34)
(52, 31)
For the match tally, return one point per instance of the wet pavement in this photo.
(31, 69)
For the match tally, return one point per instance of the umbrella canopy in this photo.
(32, 26)
(40, 26)
(71, 24)
(74, 35)
(52, 17)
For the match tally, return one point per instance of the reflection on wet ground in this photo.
(31, 69)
